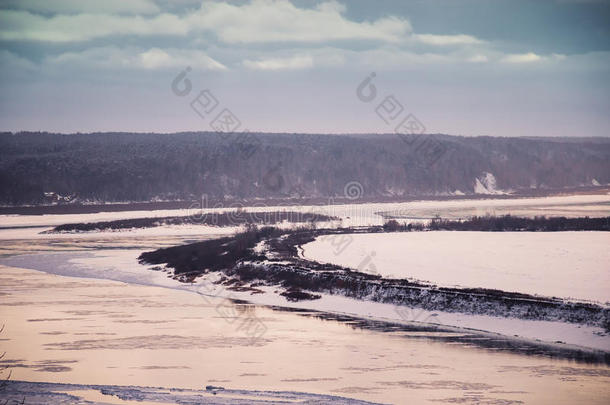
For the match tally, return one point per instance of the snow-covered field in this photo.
(562, 264)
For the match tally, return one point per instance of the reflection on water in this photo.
(479, 339)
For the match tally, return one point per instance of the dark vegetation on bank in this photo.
(506, 223)
(225, 253)
(280, 265)
(241, 217)
(211, 255)
(233, 218)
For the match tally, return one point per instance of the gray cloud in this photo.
(84, 6)
(259, 21)
(279, 63)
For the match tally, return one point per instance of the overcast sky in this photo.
(463, 67)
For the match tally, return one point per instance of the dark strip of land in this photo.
(225, 253)
(233, 218)
(506, 223)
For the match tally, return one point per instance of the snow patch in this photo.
(261, 247)
(486, 184)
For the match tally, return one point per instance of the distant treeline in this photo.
(507, 223)
(45, 168)
(233, 218)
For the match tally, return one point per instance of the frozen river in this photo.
(80, 310)
(85, 331)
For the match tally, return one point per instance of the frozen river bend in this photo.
(84, 321)
(83, 339)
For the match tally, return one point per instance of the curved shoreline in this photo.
(368, 315)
